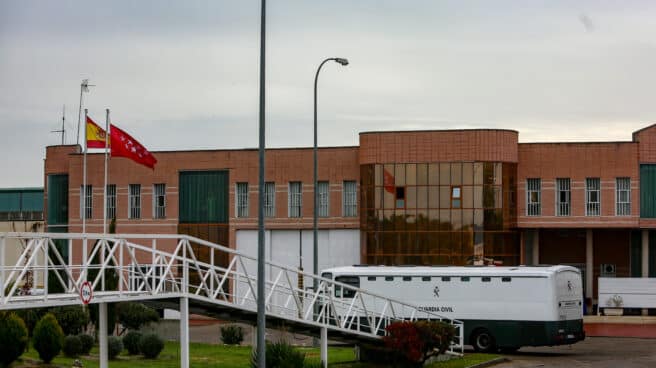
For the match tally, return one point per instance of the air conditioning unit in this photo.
(607, 270)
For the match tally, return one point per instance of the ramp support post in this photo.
(102, 334)
(184, 332)
(324, 347)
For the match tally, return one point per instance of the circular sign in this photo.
(86, 292)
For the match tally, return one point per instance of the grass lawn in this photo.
(208, 355)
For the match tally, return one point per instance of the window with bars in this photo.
(86, 201)
(159, 201)
(323, 190)
(134, 194)
(563, 197)
(592, 196)
(623, 196)
(269, 199)
(111, 201)
(295, 200)
(242, 199)
(349, 199)
(533, 189)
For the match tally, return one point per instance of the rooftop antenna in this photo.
(63, 128)
(84, 87)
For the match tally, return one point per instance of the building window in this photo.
(563, 196)
(134, 210)
(159, 201)
(533, 187)
(623, 196)
(592, 196)
(269, 199)
(323, 193)
(86, 201)
(295, 200)
(456, 197)
(349, 199)
(400, 197)
(242, 199)
(111, 201)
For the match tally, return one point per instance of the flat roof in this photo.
(536, 271)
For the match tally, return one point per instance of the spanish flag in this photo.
(96, 136)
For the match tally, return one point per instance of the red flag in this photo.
(95, 135)
(388, 181)
(123, 145)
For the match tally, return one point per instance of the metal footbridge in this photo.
(190, 274)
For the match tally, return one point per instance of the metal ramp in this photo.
(184, 273)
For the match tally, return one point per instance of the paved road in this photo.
(597, 352)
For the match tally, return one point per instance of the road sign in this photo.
(86, 292)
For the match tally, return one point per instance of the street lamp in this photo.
(343, 62)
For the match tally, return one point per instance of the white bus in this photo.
(502, 308)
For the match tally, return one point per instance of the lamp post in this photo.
(343, 62)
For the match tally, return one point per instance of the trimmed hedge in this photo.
(151, 345)
(131, 342)
(13, 338)
(72, 319)
(87, 342)
(72, 346)
(48, 338)
(133, 316)
(114, 347)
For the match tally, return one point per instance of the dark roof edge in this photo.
(604, 142)
(233, 149)
(440, 131)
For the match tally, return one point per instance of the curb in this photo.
(490, 363)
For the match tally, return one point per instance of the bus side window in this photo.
(389, 278)
(464, 278)
(486, 279)
(505, 279)
(353, 281)
(371, 278)
(446, 278)
(425, 278)
(338, 291)
(407, 278)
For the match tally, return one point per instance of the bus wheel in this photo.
(483, 341)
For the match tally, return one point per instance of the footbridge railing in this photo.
(52, 269)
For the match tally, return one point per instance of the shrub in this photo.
(31, 317)
(414, 342)
(72, 346)
(436, 335)
(232, 335)
(48, 338)
(131, 342)
(13, 338)
(87, 342)
(281, 355)
(133, 316)
(151, 345)
(72, 319)
(114, 347)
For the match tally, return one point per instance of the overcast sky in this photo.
(184, 74)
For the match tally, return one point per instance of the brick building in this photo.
(412, 197)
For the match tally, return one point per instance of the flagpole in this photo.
(106, 172)
(83, 192)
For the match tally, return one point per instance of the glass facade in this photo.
(443, 213)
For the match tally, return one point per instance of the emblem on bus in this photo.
(436, 291)
(569, 285)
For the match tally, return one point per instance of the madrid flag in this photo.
(123, 145)
(95, 135)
